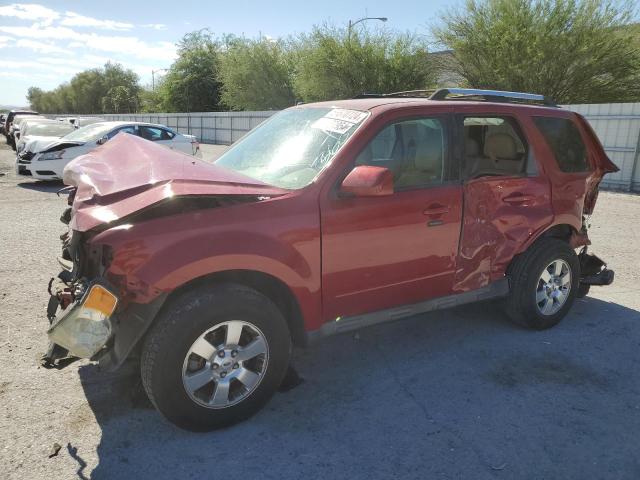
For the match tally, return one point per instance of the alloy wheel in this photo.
(225, 364)
(553, 287)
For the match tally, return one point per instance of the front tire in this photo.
(544, 282)
(215, 356)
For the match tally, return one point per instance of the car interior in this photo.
(413, 150)
(492, 147)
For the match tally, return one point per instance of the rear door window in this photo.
(494, 146)
(155, 134)
(565, 141)
(128, 129)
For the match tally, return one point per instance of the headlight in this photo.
(52, 155)
(86, 328)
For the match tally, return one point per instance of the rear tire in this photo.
(193, 337)
(544, 282)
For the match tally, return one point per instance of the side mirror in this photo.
(103, 140)
(368, 181)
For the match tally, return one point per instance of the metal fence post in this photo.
(636, 159)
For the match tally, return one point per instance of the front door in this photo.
(382, 252)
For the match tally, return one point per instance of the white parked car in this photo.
(80, 121)
(14, 129)
(35, 136)
(48, 163)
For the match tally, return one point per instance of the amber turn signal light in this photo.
(101, 299)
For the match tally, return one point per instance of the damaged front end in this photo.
(84, 326)
(81, 301)
(98, 308)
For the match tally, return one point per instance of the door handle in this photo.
(436, 209)
(518, 198)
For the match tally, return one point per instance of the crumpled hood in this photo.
(59, 144)
(37, 143)
(128, 174)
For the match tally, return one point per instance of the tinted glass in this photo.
(414, 150)
(566, 142)
(90, 132)
(128, 129)
(154, 133)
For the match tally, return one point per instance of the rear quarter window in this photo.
(565, 141)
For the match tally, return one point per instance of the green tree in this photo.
(151, 101)
(35, 97)
(191, 84)
(335, 64)
(119, 99)
(575, 51)
(86, 91)
(256, 74)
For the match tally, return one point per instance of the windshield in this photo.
(49, 129)
(90, 132)
(291, 148)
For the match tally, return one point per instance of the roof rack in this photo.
(491, 96)
(406, 93)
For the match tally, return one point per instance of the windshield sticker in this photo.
(332, 125)
(339, 120)
(352, 116)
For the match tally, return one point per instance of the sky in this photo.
(44, 44)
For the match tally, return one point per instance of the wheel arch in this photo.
(561, 231)
(268, 285)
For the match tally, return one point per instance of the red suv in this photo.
(326, 218)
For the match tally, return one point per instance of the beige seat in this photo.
(423, 158)
(502, 149)
(500, 156)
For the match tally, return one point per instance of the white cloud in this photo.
(29, 11)
(40, 47)
(13, 74)
(40, 68)
(129, 45)
(155, 26)
(73, 19)
(37, 31)
(4, 40)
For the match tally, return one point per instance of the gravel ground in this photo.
(453, 394)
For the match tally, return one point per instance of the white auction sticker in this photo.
(332, 125)
(353, 116)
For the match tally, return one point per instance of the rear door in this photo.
(382, 252)
(506, 201)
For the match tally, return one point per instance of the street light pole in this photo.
(351, 24)
(153, 77)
